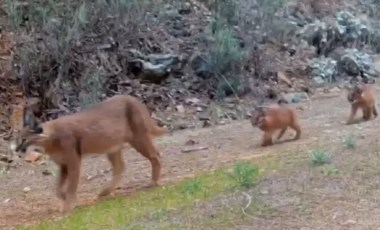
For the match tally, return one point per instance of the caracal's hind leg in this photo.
(144, 145)
(374, 111)
(281, 133)
(117, 163)
(296, 128)
(367, 112)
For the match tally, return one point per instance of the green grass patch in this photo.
(120, 212)
(245, 174)
(156, 204)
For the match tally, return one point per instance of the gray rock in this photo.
(154, 67)
(296, 97)
(354, 61)
(185, 8)
(376, 65)
(323, 68)
(350, 28)
(201, 67)
(346, 31)
(318, 80)
(26, 189)
(313, 30)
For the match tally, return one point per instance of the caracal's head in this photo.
(31, 133)
(354, 93)
(257, 114)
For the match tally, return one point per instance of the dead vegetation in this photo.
(72, 54)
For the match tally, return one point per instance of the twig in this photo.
(243, 209)
(7, 135)
(194, 149)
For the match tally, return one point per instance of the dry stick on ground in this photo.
(194, 149)
(247, 205)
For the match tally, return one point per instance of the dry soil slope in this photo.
(322, 119)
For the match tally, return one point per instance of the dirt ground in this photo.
(322, 120)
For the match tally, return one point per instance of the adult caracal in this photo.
(103, 128)
(272, 118)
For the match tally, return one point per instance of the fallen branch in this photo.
(194, 149)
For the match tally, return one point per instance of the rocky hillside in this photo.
(193, 62)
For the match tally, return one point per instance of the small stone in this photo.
(199, 109)
(294, 97)
(190, 142)
(349, 222)
(5, 158)
(182, 126)
(203, 117)
(206, 123)
(26, 189)
(282, 77)
(90, 177)
(7, 200)
(180, 109)
(335, 90)
(46, 173)
(185, 9)
(192, 100)
(318, 80)
(32, 157)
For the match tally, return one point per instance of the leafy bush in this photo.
(374, 38)
(226, 55)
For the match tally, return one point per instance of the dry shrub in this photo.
(75, 46)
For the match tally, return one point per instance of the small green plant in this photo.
(3, 169)
(13, 9)
(192, 187)
(350, 141)
(159, 214)
(245, 174)
(320, 157)
(92, 89)
(268, 9)
(227, 87)
(226, 10)
(330, 170)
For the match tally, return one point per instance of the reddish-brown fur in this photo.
(104, 128)
(273, 118)
(362, 97)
